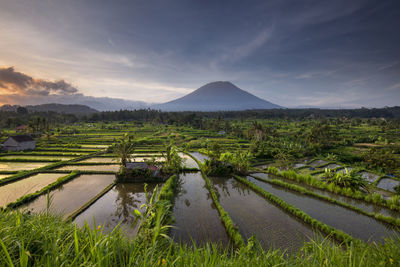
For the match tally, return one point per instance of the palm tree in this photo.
(173, 161)
(124, 149)
(257, 131)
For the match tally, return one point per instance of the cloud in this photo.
(395, 86)
(233, 54)
(13, 82)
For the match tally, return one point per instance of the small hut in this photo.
(19, 143)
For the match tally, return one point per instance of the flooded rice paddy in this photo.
(21, 166)
(332, 166)
(388, 184)
(13, 191)
(94, 146)
(116, 207)
(111, 167)
(199, 156)
(197, 219)
(255, 216)
(36, 157)
(188, 161)
(116, 160)
(369, 207)
(72, 195)
(370, 177)
(317, 163)
(101, 159)
(351, 222)
(299, 165)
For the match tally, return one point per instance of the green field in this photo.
(345, 170)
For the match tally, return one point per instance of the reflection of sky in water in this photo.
(116, 207)
(388, 184)
(349, 221)
(73, 195)
(18, 166)
(195, 214)
(256, 216)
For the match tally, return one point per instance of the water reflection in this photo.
(369, 207)
(116, 208)
(255, 216)
(349, 221)
(196, 217)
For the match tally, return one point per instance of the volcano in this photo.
(217, 96)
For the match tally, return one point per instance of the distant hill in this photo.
(216, 96)
(110, 104)
(97, 103)
(60, 108)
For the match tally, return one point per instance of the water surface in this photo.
(370, 177)
(72, 195)
(255, 216)
(13, 191)
(36, 157)
(369, 207)
(317, 163)
(388, 184)
(111, 167)
(355, 224)
(188, 161)
(102, 160)
(199, 156)
(116, 208)
(19, 166)
(197, 219)
(332, 166)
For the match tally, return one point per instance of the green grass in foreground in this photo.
(47, 240)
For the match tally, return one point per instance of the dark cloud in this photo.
(14, 82)
(290, 52)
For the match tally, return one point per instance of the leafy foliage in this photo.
(347, 179)
(382, 158)
(124, 149)
(173, 161)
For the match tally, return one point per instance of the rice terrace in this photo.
(274, 187)
(199, 133)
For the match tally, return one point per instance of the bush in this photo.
(347, 179)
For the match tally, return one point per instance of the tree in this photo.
(284, 160)
(257, 131)
(214, 150)
(321, 135)
(22, 111)
(382, 158)
(173, 161)
(124, 149)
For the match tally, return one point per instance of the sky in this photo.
(335, 53)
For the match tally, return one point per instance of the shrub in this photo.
(348, 179)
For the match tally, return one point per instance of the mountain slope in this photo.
(216, 96)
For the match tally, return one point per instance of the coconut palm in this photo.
(173, 161)
(124, 149)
